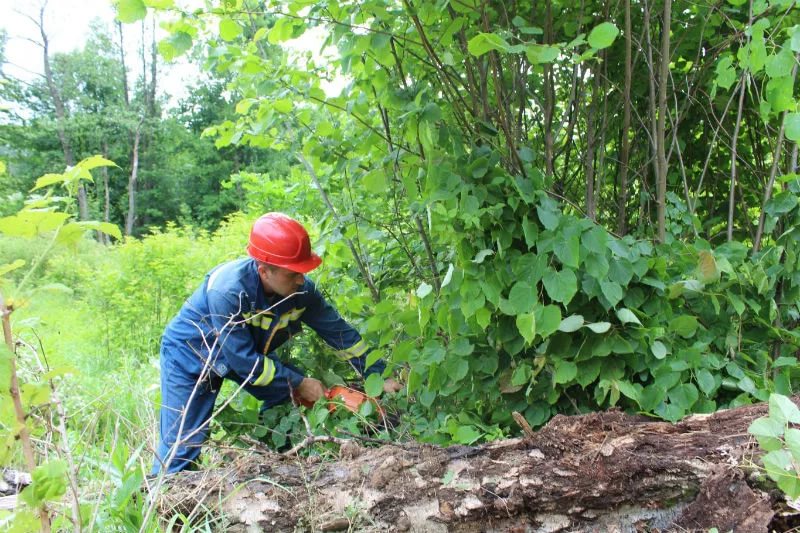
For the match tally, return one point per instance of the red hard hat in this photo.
(279, 240)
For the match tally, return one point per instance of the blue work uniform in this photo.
(230, 328)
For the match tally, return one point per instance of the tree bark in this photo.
(596, 472)
(61, 115)
(663, 78)
(130, 219)
(625, 148)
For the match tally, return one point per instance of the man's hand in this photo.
(311, 390)
(390, 385)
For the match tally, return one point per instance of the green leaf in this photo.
(229, 29)
(548, 217)
(726, 74)
(95, 161)
(526, 324)
(522, 297)
(521, 375)
(783, 409)
(373, 385)
(603, 35)
(175, 45)
(485, 42)
(571, 323)
(130, 10)
(49, 483)
(778, 65)
(659, 350)
(595, 240)
(374, 182)
(281, 31)
(483, 316)
(612, 291)
(780, 468)
(548, 320)
(599, 327)
(456, 368)
(49, 179)
(9, 267)
(424, 289)
(706, 381)
(565, 371)
(792, 125)
(737, 303)
(542, 53)
(31, 223)
(560, 286)
(792, 438)
(568, 248)
(707, 270)
(626, 316)
(630, 390)
(466, 434)
(684, 396)
(781, 203)
(685, 326)
(481, 256)
(284, 105)
(159, 4)
(461, 346)
(766, 427)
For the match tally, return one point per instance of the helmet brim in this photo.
(303, 267)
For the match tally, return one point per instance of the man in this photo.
(230, 328)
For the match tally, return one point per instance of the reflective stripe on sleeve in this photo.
(267, 375)
(356, 350)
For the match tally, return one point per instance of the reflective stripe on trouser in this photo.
(176, 391)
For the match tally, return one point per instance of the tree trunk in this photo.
(625, 149)
(132, 182)
(124, 68)
(58, 105)
(663, 79)
(104, 238)
(598, 472)
(589, 156)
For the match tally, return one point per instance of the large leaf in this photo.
(571, 323)
(548, 320)
(229, 29)
(565, 371)
(561, 286)
(603, 35)
(31, 223)
(783, 409)
(485, 42)
(792, 125)
(522, 297)
(542, 53)
(626, 316)
(526, 324)
(130, 10)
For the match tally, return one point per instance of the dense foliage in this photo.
(540, 207)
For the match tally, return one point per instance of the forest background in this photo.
(534, 206)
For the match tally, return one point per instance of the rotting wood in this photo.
(604, 471)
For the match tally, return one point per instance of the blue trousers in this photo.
(187, 403)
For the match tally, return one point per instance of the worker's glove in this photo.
(310, 390)
(390, 385)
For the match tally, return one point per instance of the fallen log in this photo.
(606, 471)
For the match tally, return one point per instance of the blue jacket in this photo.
(231, 322)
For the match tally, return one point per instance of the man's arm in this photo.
(236, 343)
(323, 318)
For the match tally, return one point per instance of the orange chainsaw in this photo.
(339, 395)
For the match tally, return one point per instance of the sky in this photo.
(67, 25)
